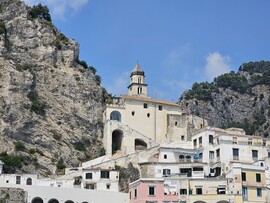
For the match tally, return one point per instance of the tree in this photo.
(41, 12)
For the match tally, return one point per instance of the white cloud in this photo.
(119, 85)
(60, 7)
(216, 65)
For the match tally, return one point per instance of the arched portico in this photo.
(140, 144)
(37, 200)
(53, 201)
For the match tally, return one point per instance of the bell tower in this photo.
(137, 82)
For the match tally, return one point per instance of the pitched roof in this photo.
(137, 68)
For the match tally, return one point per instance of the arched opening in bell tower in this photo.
(117, 137)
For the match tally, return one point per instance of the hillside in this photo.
(51, 103)
(239, 99)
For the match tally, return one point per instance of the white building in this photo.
(89, 185)
(136, 121)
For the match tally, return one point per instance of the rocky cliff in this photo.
(51, 103)
(239, 99)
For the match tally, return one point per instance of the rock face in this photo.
(9, 195)
(235, 99)
(50, 106)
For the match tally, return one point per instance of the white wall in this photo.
(75, 195)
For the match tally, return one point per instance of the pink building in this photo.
(150, 191)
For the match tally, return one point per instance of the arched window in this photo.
(116, 116)
(37, 200)
(188, 158)
(139, 90)
(181, 158)
(29, 181)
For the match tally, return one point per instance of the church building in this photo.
(136, 122)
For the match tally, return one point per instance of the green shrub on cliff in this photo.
(41, 12)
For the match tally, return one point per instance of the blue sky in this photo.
(177, 42)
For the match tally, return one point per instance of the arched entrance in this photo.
(116, 116)
(69, 201)
(199, 202)
(53, 201)
(140, 144)
(117, 137)
(223, 201)
(37, 200)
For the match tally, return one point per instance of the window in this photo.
(181, 157)
(105, 174)
(145, 106)
(211, 139)
(133, 113)
(195, 143)
(268, 154)
(148, 115)
(88, 176)
(258, 177)
(165, 156)
(108, 186)
(183, 191)
(18, 180)
(182, 137)
(235, 154)
(218, 152)
(29, 181)
(264, 143)
(249, 141)
(151, 190)
(255, 154)
(160, 107)
(166, 172)
(234, 140)
(175, 123)
(211, 154)
(221, 190)
(200, 141)
(135, 193)
(244, 178)
(198, 190)
(244, 193)
(259, 192)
